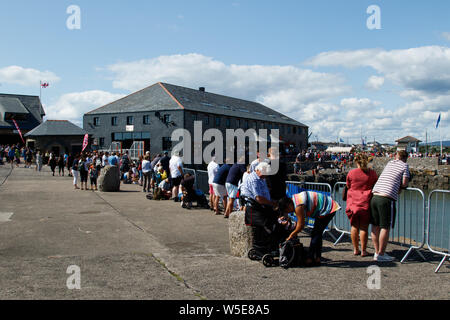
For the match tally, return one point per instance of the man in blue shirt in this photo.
(219, 187)
(113, 160)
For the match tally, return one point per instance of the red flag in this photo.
(44, 85)
(85, 141)
(20, 133)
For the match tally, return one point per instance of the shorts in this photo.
(211, 190)
(383, 211)
(219, 190)
(93, 181)
(232, 190)
(176, 181)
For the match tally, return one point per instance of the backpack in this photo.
(292, 254)
(81, 167)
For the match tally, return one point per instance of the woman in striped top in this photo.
(310, 204)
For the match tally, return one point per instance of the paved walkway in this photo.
(128, 247)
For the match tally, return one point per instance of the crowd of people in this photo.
(252, 188)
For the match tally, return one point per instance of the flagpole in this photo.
(40, 90)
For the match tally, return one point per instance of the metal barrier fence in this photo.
(438, 241)
(202, 181)
(293, 187)
(341, 223)
(409, 226)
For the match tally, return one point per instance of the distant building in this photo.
(152, 114)
(57, 136)
(27, 111)
(408, 143)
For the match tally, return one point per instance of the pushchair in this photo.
(267, 233)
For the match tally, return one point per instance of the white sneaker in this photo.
(375, 256)
(385, 258)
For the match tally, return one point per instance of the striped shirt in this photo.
(316, 204)
(391, 179)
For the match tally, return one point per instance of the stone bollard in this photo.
(109, 180)
(240, 235)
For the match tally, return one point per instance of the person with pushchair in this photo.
(260, 213)
(309, 204)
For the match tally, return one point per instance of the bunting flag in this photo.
(85, 141)
(18, 129)
(438, 121)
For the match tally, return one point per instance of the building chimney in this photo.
(202, 89)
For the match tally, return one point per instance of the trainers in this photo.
(385, 258)
(375, 256)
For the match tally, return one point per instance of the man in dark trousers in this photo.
(277, 182)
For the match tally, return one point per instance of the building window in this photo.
(146, 119)
(207, 120)
(246, 124)
(114, 121)
(167, 118)
(294, 130)
(228, 123)
(130, 120)
(166, 143)
(238, 123)
(194, 117)
(289, 129)
(217, 121)
(96, 121)
(101, 142)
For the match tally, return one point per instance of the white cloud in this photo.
(375, 83)
(25, 76)
(288, 89)
(425, 69)
(72, 106)
(316, 98)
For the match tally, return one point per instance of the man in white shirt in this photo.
(213, 167)
(176, 173)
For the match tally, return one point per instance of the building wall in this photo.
(299, 139)
(156, 127)
(65, 143)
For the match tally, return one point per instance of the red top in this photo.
(360, 185)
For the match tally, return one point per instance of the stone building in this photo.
(408, 143)
(57, 136)
(153, 113)
(27, 111)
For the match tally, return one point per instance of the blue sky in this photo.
(312, 60)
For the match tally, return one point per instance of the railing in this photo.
(341, 223)
(438, 241)
(409, 227)
(201, 178)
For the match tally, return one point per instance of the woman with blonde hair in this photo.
(358, 194)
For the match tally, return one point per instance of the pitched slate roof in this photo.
(165, 96)
(408, 139)
(56, 128)
(22, 104)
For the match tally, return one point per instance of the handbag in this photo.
(344, 194)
